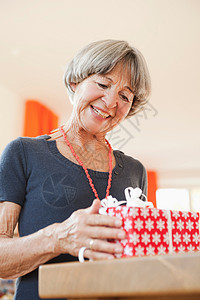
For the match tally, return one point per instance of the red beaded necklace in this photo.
(85, 169)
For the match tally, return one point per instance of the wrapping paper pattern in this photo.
(152, 231)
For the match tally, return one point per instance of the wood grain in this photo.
(158, 277)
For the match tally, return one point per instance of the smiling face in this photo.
(102, 101)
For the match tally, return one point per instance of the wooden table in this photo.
(158, 277)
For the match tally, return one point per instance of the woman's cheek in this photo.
(124, 110)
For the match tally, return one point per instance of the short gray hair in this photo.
(101, 57)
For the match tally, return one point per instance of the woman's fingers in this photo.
(103, 220)
(96, 226)
(98, 238)
(94, 208)
(87, 225)
(105, 233)
(96, 219)
(96, 255)
(100, 245)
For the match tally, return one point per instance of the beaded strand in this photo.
(85, 169)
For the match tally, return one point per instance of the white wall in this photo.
(179, 179)
(12, 116)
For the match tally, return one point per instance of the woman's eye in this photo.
(101, 85)
(124, 98)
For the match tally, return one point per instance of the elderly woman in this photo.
(48, 184)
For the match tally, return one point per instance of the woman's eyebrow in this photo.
(107, 78)
(126, 87)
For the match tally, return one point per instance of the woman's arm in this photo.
(21, 255)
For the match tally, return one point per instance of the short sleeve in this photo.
(13, 173)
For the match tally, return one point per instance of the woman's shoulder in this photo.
(32, 140)
(36, 139)
(18, 144)
(128, 159)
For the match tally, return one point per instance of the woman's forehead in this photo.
(118, 73)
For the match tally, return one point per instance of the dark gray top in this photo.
(49, 188)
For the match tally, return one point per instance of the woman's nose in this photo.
(110, 98)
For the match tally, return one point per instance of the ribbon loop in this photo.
(132, 196)
(111, 202)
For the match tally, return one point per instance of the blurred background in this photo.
(39, 37)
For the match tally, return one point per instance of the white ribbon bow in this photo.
(132, 200)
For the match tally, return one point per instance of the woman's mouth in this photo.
(99, 112)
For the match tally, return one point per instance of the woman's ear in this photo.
(73, 86)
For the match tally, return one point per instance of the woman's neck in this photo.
(92, 149)
(81, 138)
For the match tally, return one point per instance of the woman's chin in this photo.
(93, 130)
(96, 125)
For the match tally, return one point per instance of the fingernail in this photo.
(122, 235)
(118, 249)
(111, 257)
(118, 222)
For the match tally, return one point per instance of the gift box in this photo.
(152, 231)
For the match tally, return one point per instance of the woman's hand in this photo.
(85, 225)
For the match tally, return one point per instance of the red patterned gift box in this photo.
(152, 231)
